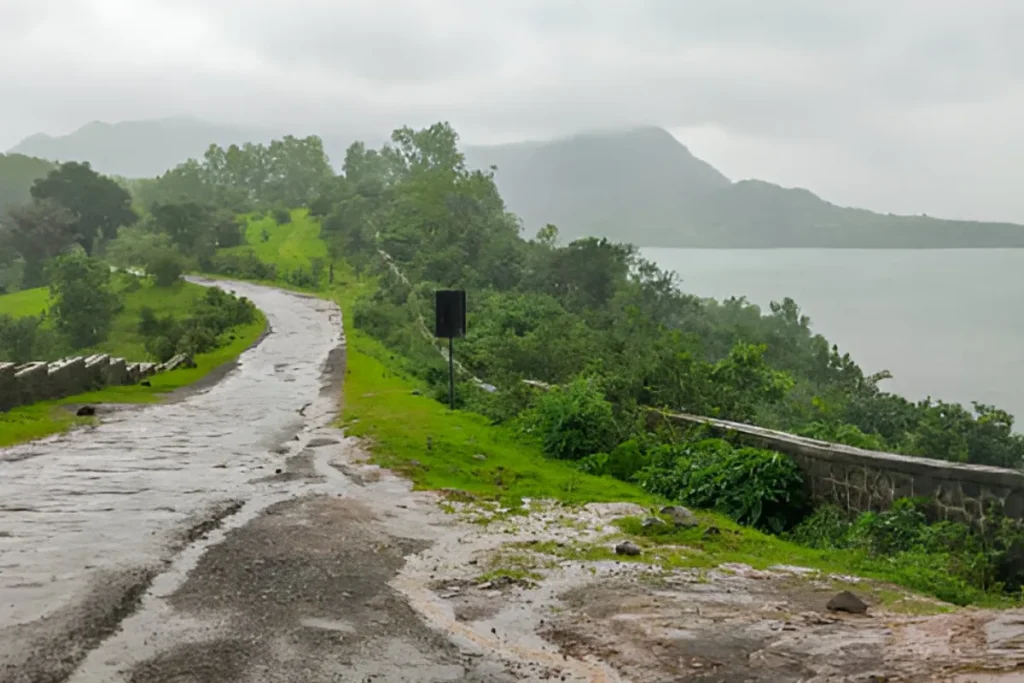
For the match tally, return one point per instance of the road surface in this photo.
(210, 538)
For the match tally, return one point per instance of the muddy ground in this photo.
(236, 536)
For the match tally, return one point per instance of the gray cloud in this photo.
(904, 105)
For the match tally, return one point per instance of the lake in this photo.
(946, 323)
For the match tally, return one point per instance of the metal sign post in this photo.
(450, 322)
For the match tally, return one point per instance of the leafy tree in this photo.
(99, 204)
(83, 304)
(38, 232)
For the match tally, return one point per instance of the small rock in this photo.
(680, 516)
(479, 456)
(417, 392)
(653, 521)
(627, 548)
(415, 463)
(145, 383)
(321, 441)
(712, 531)
(847, 602)
(85, 411)
(277, 471)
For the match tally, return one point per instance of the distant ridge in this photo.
(637, 185)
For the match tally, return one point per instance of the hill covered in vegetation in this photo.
(638, 185)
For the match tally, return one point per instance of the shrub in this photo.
(760, 488)
(210, 318)
(25, 339)
(166, 269)
(573, 421)
(281, 215)
(247, 266)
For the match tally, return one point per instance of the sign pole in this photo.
(451, 373)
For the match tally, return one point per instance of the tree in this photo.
(83, 303)
(38, 232)
(99, 204)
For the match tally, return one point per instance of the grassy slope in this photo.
(25, 303)
(43, 419)
(290, 246)
(435, 448)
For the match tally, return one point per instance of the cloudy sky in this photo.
(896, 105)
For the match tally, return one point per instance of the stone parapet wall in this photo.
(41, 381)
(860, 480)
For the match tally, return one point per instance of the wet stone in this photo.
(627, 548)
(680, 516)
(847, 602)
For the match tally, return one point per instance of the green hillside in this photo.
(17, 173)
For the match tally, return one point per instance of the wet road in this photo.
(79, 510)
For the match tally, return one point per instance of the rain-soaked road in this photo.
(97, 510)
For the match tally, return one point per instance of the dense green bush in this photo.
(281, 215)
(165, 268)
(247, 266)
(755, 487)
(949, 559)
(202, 330)
(573, 421)
(26, 339)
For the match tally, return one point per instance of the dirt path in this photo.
(236, 536)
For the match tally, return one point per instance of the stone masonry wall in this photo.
(40, 381)
(861, 480)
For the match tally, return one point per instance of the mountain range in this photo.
(638, 185)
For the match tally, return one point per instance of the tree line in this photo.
(79, 235)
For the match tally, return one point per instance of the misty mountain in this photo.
(137, 149)
(643, 186)
(640, 185)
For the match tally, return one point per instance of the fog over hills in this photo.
(639, 185)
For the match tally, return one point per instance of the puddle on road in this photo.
(108, 498)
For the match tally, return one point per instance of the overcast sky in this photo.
(896, 105)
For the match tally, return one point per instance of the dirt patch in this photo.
(723, 629)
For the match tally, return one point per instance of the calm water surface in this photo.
(946, 323)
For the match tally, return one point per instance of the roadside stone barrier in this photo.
(25, 383)
(860, 480)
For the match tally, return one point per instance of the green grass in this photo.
(290, 246)
(29, 302)
(441, 449)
